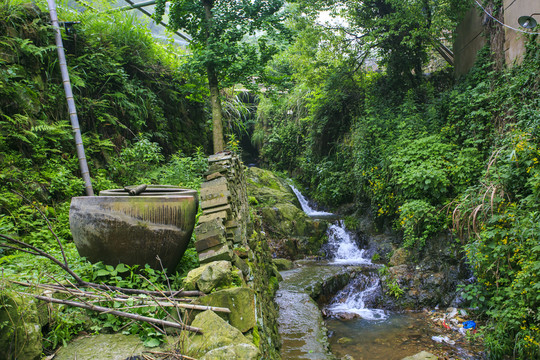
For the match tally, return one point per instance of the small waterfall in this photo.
(356, 298)
(305, 205)
(343, 247)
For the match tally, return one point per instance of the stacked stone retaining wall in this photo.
(237, 271)
(223, 223)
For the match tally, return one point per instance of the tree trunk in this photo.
(213, 84)
(217, 115)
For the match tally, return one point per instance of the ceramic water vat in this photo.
(115, 227)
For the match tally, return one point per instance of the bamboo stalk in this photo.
(102, 309)
(70, 101)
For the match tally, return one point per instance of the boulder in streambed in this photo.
(424, 355)
(20, 329)
(219, 340)
(283, 264)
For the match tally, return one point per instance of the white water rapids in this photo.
(355, 297)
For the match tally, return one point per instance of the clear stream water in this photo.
(355, 326)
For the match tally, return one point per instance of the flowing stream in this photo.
(355, 326)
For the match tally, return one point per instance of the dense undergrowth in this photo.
(437, 156)
(142, 119)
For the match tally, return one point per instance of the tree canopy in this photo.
(218, 29)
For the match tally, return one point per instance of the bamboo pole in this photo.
(70, 101)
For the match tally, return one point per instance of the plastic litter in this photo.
(441, 339)
(469, 325)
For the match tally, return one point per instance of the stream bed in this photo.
(353, 328)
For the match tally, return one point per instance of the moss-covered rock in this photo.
(267, 189)
(399, 257)
(209, 276)
(103, 347)
(219, 339)
(240, 351)
(241, 302)
(283, 264)
(20, 329)
(290, 232)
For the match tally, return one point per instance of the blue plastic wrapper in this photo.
(469, 325)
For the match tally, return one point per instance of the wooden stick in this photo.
(102, 309)
(169, 354)
(65, 289)
(22, 246)
(101, 298)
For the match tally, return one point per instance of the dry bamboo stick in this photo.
(101, 298)
(77, 291)
(169, 354)
(102, 309)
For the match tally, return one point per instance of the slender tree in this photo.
(219, 30)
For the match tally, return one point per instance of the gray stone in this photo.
(424, 355)
(216, 274)
(216, 253)
(399, 257)
(102, 347)
(217, 333)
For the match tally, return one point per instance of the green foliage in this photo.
(504, 251)
(218, 28)
(402, 32)
(139, 115)
(392, 286)
(421, 150)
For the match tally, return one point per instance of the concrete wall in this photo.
(470, 37)
(514, 41)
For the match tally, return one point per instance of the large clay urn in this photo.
(115, 227)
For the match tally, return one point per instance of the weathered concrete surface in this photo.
(300, 320)
(469, 40)
(514, 41)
